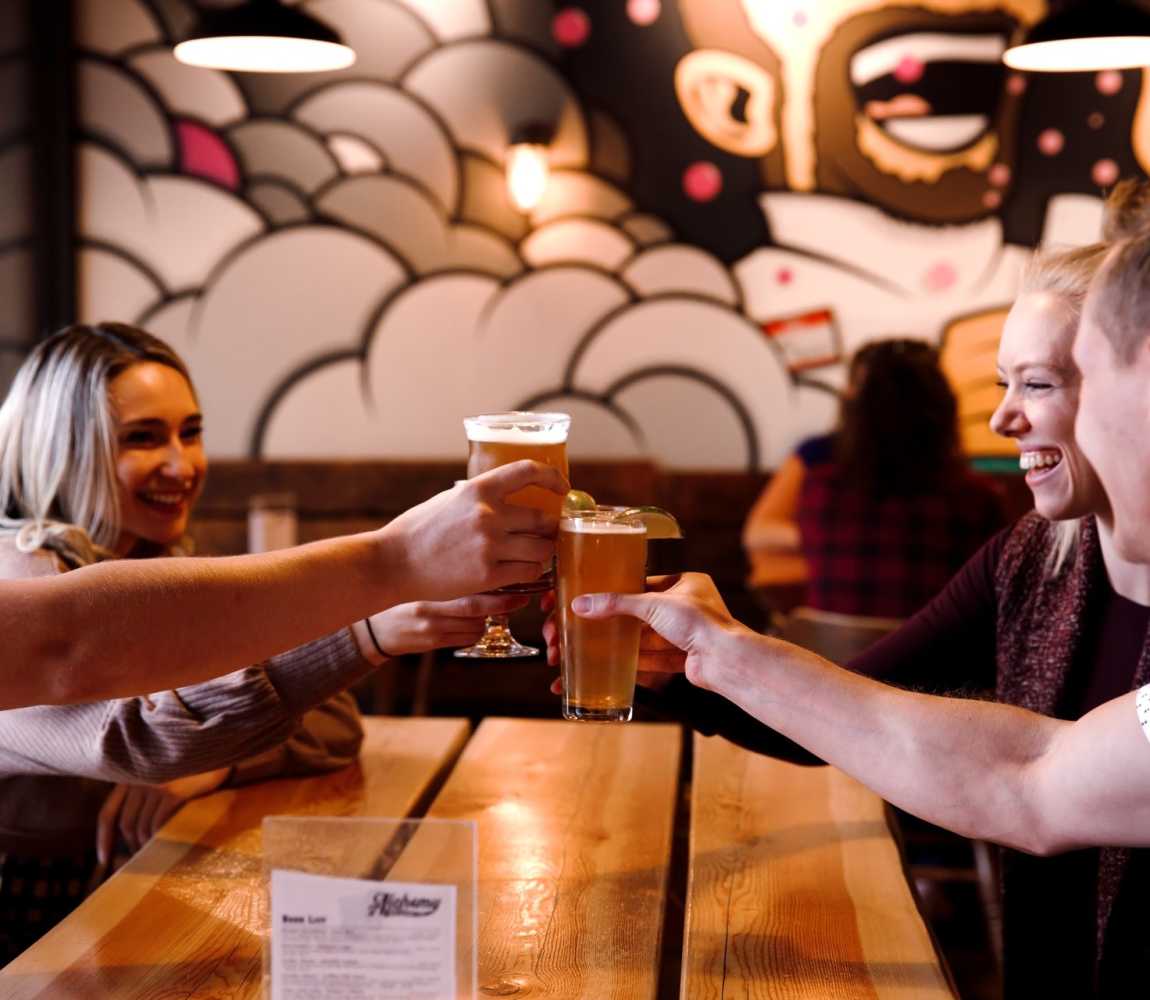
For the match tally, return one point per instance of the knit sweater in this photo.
(286, 716)
(1041, 626)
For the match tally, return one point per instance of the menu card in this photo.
(353, 939)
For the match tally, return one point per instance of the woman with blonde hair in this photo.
(101, 458)
(1047, 615)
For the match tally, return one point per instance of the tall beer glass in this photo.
(599, 550)
(498, 439)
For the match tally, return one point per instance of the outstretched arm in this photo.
(982, 769)
(126, 627)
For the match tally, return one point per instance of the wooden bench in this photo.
(796, 888)
(185, 917)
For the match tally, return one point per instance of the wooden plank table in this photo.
(796, 888)
(575, 826)
(185, 917)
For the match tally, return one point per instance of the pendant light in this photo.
(263, 36)
(1091, 35)
(527, 166)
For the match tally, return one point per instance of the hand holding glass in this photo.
(599, 551)
(499, 439)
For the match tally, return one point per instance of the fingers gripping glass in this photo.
(599, 550)
(499, 439)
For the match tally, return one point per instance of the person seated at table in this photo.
(882, 511)
(1063, 608)
(987, 631)
(101, 457)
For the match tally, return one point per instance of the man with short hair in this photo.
(985, 770)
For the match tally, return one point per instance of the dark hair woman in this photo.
(883, 510)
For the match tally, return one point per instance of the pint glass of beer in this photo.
(496, 439)
(599, 550)
(502, 438)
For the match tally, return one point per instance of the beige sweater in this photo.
(286, 716)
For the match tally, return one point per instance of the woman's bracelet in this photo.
(374, 640)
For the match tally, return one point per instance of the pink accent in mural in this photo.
(702, 181)
(1051, 142)
(940, 278)
(1108, 82)
(571, 27)
(204, 154)
(1105, 173)
(909, 70)
(644, 12)
(999, 175)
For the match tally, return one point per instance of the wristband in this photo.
(374, 640)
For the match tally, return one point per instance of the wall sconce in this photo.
(263, 36)
(527, 167)
(1090, 36)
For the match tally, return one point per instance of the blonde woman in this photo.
(101, 458)
(1052, 615)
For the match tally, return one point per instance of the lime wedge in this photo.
(578, 500)
(658, 522)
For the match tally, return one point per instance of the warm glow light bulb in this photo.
(264, 54)
(527, 173)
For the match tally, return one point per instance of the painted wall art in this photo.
(742, 192)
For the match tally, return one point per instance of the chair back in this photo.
(837, 637)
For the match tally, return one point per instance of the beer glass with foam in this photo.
(603, 550)
(498, 439)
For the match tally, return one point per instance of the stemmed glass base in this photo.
(496, 643)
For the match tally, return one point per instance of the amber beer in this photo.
(599, 551)
(501, 438)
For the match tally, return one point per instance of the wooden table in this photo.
(795, 888)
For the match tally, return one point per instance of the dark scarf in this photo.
(1041, 622)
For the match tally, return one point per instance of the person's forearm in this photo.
(772, 536)
(127, 627)
(964, 765)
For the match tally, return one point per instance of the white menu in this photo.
(354, 939)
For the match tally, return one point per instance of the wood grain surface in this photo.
(575, 824)
(796, 888)
(184, 918)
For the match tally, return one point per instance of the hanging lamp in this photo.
(1091, 35)
(263, 36)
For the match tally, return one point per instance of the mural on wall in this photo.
(337, 257)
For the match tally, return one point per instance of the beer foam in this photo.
(516, 435)
(594, 526)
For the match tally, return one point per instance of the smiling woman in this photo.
(81, 418)
(101, 457)
(160, 463)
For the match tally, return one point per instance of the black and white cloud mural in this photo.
(338, 258)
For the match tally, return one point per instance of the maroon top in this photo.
(888, 556)
(950, 644)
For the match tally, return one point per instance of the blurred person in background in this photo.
(883, 510)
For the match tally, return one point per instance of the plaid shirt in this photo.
(888, 557)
